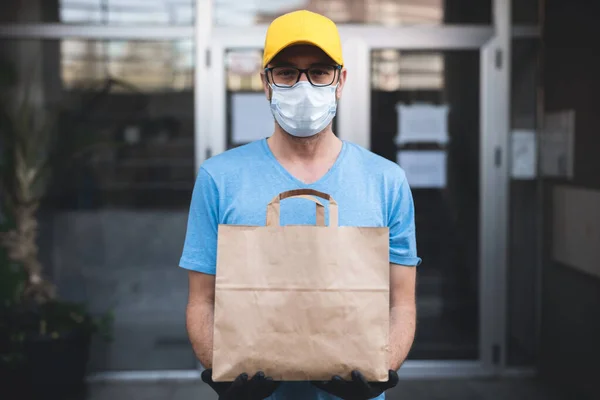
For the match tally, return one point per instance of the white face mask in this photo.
(303, 110)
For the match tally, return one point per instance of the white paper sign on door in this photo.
(251, 117)
(419, 123)
(425, 169)
(524, 154)
(557, 144)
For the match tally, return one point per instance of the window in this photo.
(376, 12)
(127, 109)
(392, 70)
(147, 66)
(101, 12)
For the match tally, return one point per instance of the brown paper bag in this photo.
(301, 302)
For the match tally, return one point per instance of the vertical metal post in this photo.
(487, 201)
(540, 187)
(202, 32)
(502, 78)
(203, 28)
(218, 98)
(494, 190)
(354, 114)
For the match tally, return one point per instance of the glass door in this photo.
(425, 117)
(427, 102)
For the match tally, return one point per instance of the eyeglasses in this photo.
(322, 75)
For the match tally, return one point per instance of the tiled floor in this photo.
(451, 389)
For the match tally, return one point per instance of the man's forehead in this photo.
(302, 54)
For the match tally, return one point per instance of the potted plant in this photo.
(45, 340)
(11, 284)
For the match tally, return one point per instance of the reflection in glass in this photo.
(149, 66)
(137, 96)
(134, 101)
(101, 12)
(131, 12)
(392, 71)
(243, 68)
(376, 12)
(446, 217)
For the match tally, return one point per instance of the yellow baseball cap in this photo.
(303, 27)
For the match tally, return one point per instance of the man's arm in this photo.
(403, 313)
(200, 315)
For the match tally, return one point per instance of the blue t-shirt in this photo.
(235, 187)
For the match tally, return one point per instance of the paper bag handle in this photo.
(273, 208)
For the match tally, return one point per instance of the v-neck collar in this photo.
(297, 181)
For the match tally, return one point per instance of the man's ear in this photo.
(341, 83)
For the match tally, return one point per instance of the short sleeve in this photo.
(403, 246)
(200, 245)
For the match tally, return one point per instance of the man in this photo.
(303, 78)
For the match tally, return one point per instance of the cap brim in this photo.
(295, 43)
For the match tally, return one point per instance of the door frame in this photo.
(354, 124)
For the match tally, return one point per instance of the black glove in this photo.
(358, 388)
(257, 388)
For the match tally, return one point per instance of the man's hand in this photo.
(358, 388)
(257, 388)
